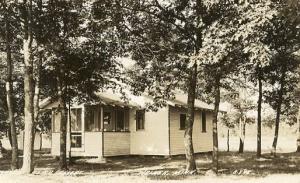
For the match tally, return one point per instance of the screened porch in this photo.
(96, 130)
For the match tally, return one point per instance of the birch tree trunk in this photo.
(28, 90)
(37, 75)
(215, 126)
(188, 134)
(9, 136)
(9, 96)
(242, 126)
(259, 102)
(36, 97)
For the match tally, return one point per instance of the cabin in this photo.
(114, 127)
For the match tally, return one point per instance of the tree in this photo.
(28, 86)
(241, 106)
(259, 57)
(81, 43)
(283, 38)
(225, 119)
(280, 98)
(234, 47)
(215, 75)
(164, 39)
(7, 7)
(3, 111)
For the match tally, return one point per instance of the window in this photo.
(120, 122)
(76, 140)
(76, 119)
(115, 120)
(182, 121)
(92, 118)
(203, 121)
(76, 128)
(107, 118)
(140, 120)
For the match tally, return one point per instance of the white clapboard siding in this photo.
(93, 144)
(116, 143)
(202, 142)
(55, 144)
(153, 140)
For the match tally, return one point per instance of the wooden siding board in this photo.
(93, 144)
(202, 142)
(153, 140)
(116, 143)
(55, 145)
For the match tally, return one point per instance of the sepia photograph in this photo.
(170, 91)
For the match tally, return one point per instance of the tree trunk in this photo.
(215, 126)
(298, 122)
(37, 77)
(63, 124)
(259, 102)
(1, 150)
(36, 97)
(70, 134)
(9, 98)
(277, 120)
(63, 137)
(37, 92)
(28, 111)
(41, 141)
(28, 90)
(278, 112)
(242, 134)
(228, 140)
(188, 140)
(9, 136)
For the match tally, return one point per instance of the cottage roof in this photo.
(127, 99)
(181, 101)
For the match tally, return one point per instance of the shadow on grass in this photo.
(157, 167)
(267, 164)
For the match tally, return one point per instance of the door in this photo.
(76, 129)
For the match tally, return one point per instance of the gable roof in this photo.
(127, 99)
(181, 101)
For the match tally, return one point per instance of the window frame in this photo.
(110, 116)
(117, 120)
(108, 126)
(78, 133)
(137, 124)
(180, 121)
(94, 113)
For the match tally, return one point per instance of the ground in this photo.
(234, 167)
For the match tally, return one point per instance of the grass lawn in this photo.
(234, 167)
